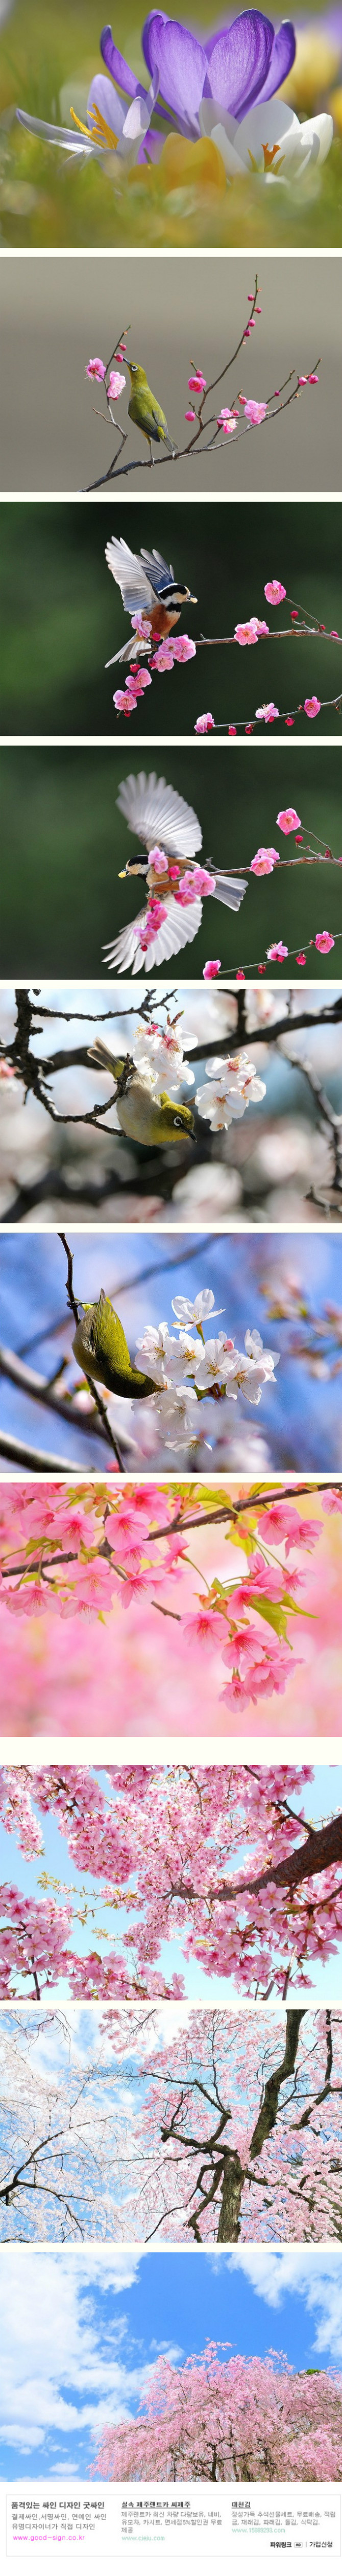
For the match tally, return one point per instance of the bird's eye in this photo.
(178, 1122)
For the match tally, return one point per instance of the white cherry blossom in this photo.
(196, 1313)
(160, 1053)
(233, 1083)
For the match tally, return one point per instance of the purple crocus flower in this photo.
(240, 67)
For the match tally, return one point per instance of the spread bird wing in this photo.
(229, 890)
(159, 572)
(180, 926)
(155, 813)
(137, 591)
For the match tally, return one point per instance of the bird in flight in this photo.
(149, 589)
(170, 832)
(146, 411)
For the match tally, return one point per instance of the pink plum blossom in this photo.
(124, 702)
(274, 592)
(96, 368)
(197, 383)
(163, 660)
(157, 861)
(211, 969)
(249, 633)
(205, 724)
(138, 680)
(312, 706)
(288, 820)
(263, 863)
(268, 712)
(183, 648)
(278, 949)
(116, 385)
(324, 941)
(255, 412)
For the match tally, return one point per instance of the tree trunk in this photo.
(232, 2186)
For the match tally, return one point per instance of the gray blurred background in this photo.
(56, 313)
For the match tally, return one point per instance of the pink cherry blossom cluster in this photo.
(209, 2157)
(212, 2419)
(227, 1863)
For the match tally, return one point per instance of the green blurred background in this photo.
(49, 50)
(64, 842)
(62, 615)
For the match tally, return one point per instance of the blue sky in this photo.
(300, 1417)
(323, 1797)
(79, 2331)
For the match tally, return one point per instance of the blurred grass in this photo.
(64, 843)
(45, 202)
(62, 614)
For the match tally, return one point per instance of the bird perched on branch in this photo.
(171, 831)
(143, 1112)
(102, 1351)
(146, 412)
(148, 586)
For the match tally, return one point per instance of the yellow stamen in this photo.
(82, 129)
(102, 130)
(269, 153)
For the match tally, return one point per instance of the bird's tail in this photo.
(229, 890)
(130, 652)
(101, 1054)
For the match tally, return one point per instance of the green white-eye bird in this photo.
(143, 1112)
(102, 1351)
(146, 411)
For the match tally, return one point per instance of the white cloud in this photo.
(54, 2342)
(316, 2276)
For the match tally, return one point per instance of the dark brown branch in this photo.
(90, 1382)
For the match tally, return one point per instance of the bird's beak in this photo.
(122, 872)
(193, 598)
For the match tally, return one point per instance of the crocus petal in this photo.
(282, 58)
(115, 63)
(223, 132)
(103, 96)
(316, 137)
(266, 128)
(172, 52)
(240, 61)
(138, 117)
(65, 135)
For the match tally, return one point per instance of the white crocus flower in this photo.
(111, 126)
(270, 143)
(203, 1305)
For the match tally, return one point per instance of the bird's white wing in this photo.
(155, 812)
(136, 591)
(180, 926)
(230, 890)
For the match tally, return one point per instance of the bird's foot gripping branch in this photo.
(209, 112)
